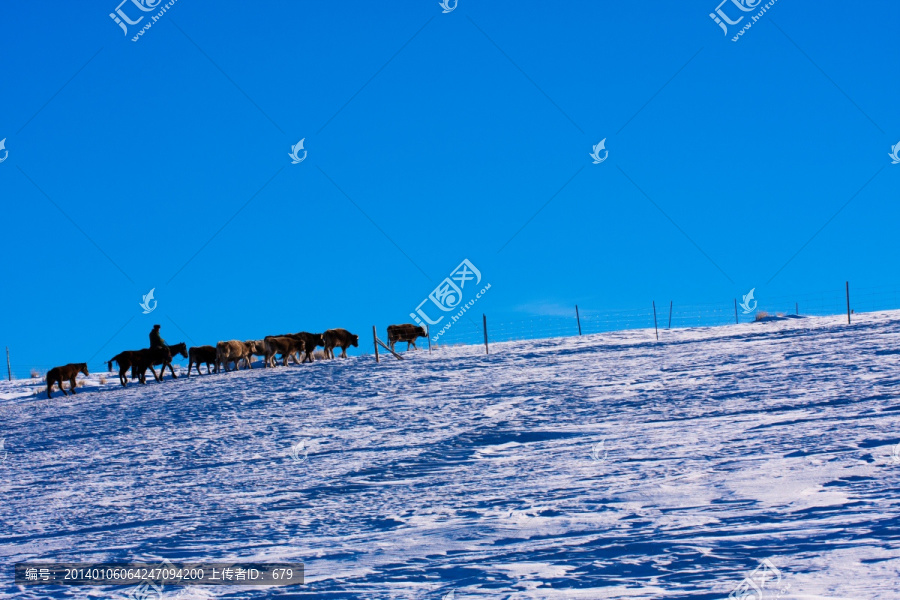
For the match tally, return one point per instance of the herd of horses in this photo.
(290, 346)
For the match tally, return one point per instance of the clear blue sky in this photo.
(431, 138)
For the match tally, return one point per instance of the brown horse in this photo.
(124, 360)
(148, 357)
(68, 372)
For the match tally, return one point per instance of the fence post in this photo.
(848, 302)
(735, 312)
(428, 335)
(578, 318)
(484, 320)
(375, 342)
(655, 328)
(670, 315)
(8, 370)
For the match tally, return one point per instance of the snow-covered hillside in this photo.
(605, 466)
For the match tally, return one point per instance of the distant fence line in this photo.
(470, 331)
(670, 315)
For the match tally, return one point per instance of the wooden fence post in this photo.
(735, 312)
(848, 302)
(484, 320)
(578, 318)
(670, 315)
(375, 342)
(8, 370)
(655, 328)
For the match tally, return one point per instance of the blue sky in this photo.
(431, 138)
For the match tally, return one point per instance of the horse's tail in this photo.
(114, 359)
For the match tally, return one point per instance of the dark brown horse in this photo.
(67, 373)
(124, 360)
(148, 357)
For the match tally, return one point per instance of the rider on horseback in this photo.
(156, 340)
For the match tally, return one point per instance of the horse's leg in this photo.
(72, 383)
(157, 377)
(174, 376)
(62, 388)
(49, 387)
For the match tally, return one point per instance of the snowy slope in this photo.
(606, 466)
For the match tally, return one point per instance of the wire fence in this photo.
(669, 315)
(468, 329)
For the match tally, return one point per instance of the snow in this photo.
(456, 471)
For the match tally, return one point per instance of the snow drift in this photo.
(603, 466)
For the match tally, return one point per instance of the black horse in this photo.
(148, 357)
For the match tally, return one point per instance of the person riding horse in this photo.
(160, 349)
(159, 353)
(156, 340)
